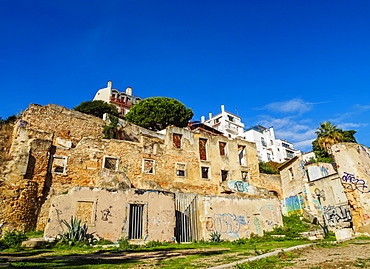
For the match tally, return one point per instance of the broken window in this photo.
(148, 166)
(136, 222)
(222, 146)
(180, 169)
(205, 171)
(244, 175)
(203, 149)
(224, 175)
(59, 164)
(176, 139)
(110, 163)
(241, 153)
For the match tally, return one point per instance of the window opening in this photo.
(136, 222)
(203, 149)
(180, 169)
(230, 118)
(205, 171)
(148, 166)
(59, 164)
(110, 163)
(222, 146)
(176, 139)
(244, 175)
(291, 175)
(224, 175)
(241, 152)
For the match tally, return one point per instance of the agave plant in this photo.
(75, 232)
(215, 237)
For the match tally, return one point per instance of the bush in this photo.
(75, 234)
(13, 239)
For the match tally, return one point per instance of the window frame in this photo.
(110, 157)
(153, 166)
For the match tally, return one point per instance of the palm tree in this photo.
(327, 135)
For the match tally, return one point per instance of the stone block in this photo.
(344, 234)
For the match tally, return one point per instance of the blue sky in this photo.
(286, 64)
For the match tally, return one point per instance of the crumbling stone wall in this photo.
(353, 163)
(55, 149)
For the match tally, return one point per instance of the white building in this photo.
(268, 147)
(122, 100)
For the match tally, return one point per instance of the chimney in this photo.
(202, 119)
(109, 85)
(222, 108)
(129, 91)
(210, 115)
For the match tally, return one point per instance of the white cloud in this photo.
(295, 105)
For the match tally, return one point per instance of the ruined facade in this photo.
(314, 191)
(353, 162)
(55, 149)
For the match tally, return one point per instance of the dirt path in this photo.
(346, 256)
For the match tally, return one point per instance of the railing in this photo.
(121, 101)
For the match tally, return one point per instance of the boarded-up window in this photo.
(224, 175)
(222, 146)
(180, 169)
(110, 163)
(59, 164)
(241, 153)
(205, 172)
(148, 166)
(84, 211)
(176, 139)
(203, 149)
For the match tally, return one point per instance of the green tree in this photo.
(97, 108)
(327, 135)
(156, 113)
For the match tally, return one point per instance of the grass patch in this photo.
(76, 263)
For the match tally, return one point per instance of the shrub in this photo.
(75, 233)
(215, 237)
(13, 239)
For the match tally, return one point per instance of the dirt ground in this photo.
(346, 255)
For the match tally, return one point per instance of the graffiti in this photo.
(209, 224)
(228, 223)
(159, 221)
(351, 183)
(319, 193)
(324, 172)
(366, 218)
(304, 173)
(270, 222)
(293, 205)
(335, 214)
(105, 214)
(257, 223)
(239, 186)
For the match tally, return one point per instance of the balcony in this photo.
(121, 101)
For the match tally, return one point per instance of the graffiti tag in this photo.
(351, 183)
(227, 223)
(335, 214)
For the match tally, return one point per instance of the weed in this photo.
(37, 233)
(13, 239)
